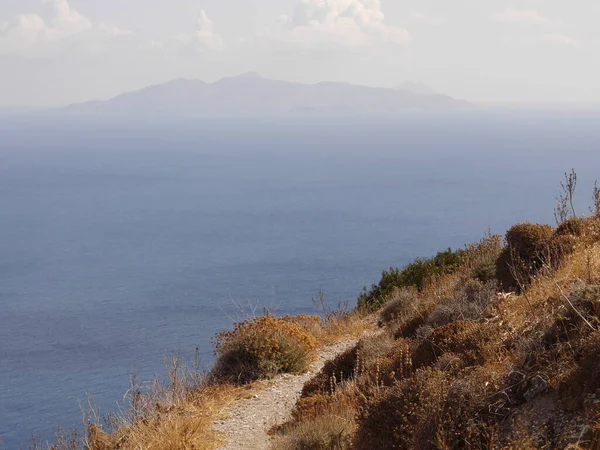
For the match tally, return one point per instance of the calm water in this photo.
(122, 240)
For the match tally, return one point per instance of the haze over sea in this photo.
(124, 239)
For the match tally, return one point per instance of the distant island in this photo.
(251, 94)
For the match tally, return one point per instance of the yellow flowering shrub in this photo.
(265, 346)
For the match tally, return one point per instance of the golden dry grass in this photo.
(185, 425)
(343, 326)
(326, 423)
(179, 415)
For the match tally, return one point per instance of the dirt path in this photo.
(249, 420)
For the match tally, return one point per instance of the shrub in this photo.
(528, 239)
(586, 229)
(589, 297)
(375, 362)
(414, 318)
(481, 257)
(263, 347)
(468, 302)
(390, 279)
(342, 367)
(434, 410)
(328, 431)
(590, 362)
(395, 417)
(528, 249)
(468, 340)
(485, 272)
(416, 274)
(576, 319)
(396, 307)
(585, 378)
(350, 364)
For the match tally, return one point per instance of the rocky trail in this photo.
(248, 421)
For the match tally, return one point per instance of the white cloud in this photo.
(203, 39)
(59, 29)
(352, 23)
(63, 20)
(561, 39)
(512, 15)
(37, 35)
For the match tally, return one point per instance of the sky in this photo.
(58, 52)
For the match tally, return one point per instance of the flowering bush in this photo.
(264, 347)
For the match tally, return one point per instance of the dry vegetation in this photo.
(179, 414)
(495, 346)
(500, 353)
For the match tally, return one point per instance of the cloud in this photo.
(561, 39)
(203, 38)
(59, 29)
(349, 23)
(417, 16)
(39, 35)
(63, 20)
(512, 15)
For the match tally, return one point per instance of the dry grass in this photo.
(326, 423)
(177, 415)
(185, 426)
(323, 432)
(341, 325)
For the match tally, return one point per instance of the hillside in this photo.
(250, 94)
(493, 346)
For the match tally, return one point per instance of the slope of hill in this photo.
(493, 346)
(249, 94)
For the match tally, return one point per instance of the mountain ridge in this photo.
(250, 93)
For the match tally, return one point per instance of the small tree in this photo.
(565, 208)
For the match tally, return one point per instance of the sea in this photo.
(123, 239)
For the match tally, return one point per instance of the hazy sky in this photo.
(55, 52)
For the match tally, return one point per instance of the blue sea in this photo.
(123, 239)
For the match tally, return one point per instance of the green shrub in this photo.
(485, 272)
(416, 274)
(264, 347)
(481, 257)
